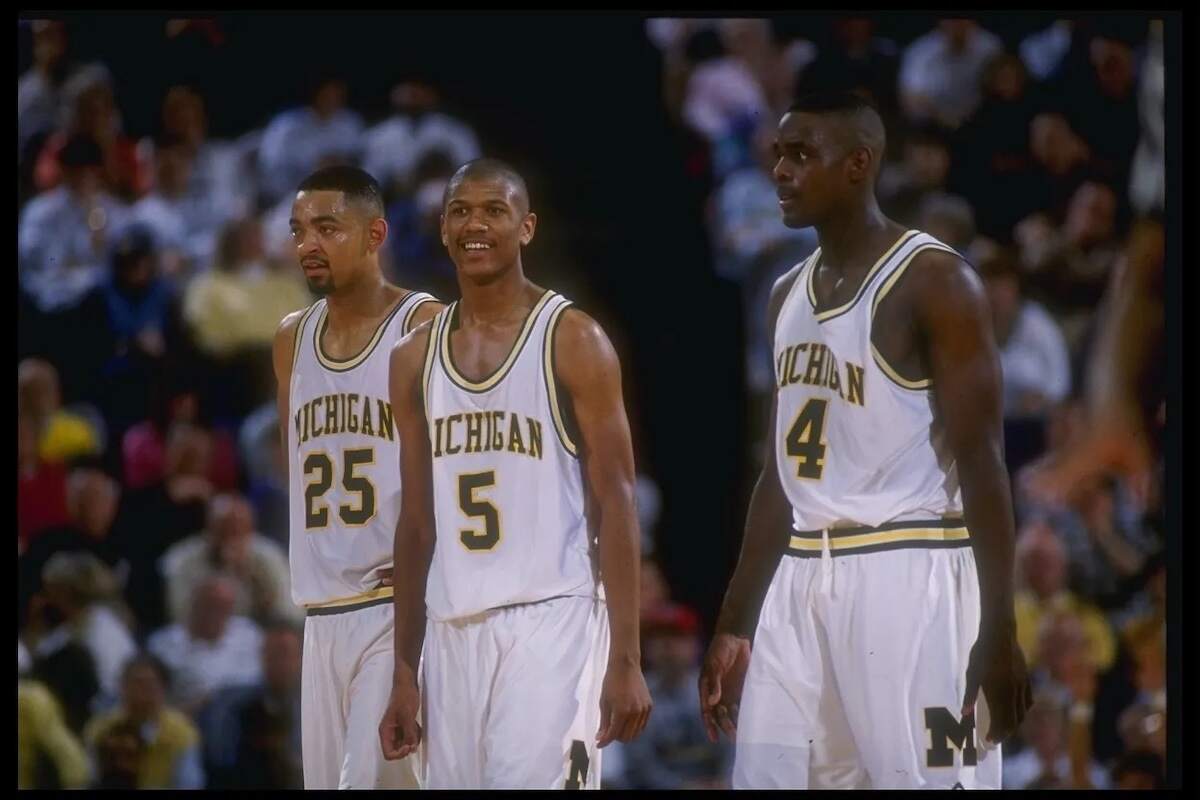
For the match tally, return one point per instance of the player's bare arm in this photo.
(954, 333)
(768, 525)
(399, 732)
(588, 369)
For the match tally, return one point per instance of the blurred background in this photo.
(157, 158)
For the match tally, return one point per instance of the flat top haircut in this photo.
(356, 184)
(864, 126)
(490, 169)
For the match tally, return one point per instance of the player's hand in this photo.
(721, 679)
(997, 666)
(624, 704)
(399, 732)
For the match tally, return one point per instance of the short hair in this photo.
(868, 124)
(487, 169)
(144, 658)
(356, 184)
(81, 150)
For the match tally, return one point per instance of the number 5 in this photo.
(490, 537)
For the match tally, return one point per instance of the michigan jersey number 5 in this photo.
(805, 441)
(472, 506)
(318, 469)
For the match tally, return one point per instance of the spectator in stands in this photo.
(219, 168)
(265, 461)
(1044, 51)
(157, 516)
(1033, 353)
(774, 64)
(144, 446)
(1104, 92)
(859, 61)
(49, 755)
(903, 186)
(91, 504)
(236, 306)
(89, 109)
(1147, 190)
(81, 593)
(213, 649)
(754, 247)
(1070, 266)
(184, 224)
(296, 141)
(63, 234)
(653, 590)
(144, 741)
(1043, 597)
(230, 545)
(417, 127)
(39, 89)
(62, 435)
(947, 217)
(252, 733)
(673, 752)
(414, 241)
(940, 72)
(1048, 762)
(1139, 770)
(723, 102)
(41, 487)
(994, 166)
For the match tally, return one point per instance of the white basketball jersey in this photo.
(855, 443)
(344, 474)
(508, 487)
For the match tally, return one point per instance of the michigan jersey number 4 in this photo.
(805, 441)
(319, 471)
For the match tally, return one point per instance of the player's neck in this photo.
(366, 299)
(852, 241)
(494, 301)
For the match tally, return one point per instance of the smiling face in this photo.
(485, 223)
(334, 239)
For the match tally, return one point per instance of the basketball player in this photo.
(518, 487)
(885, 605)
(339, 430)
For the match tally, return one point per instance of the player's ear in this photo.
(377, 231)
(859, 164)
(528, 226)
(442, 228)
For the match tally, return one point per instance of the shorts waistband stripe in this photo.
(373, 597)
(321, 611)
(936, 534)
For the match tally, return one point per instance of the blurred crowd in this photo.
(158, 643)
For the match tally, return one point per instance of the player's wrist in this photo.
(625, 658)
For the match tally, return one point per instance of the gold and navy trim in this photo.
(825, 316)
(297, 342)
(376, 597)
(422, 299)
(933, 534)
(552, 381)
(332, 364)
(501, 371)
(892, 375)
(435, 331)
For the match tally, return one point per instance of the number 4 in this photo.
(804, 441)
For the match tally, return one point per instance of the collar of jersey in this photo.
(342, 366)
(825, 316)
(498, 375)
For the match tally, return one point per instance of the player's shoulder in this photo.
(285, 334)
(941, 272)
(782, 288)
(578, 334)
(410, 350)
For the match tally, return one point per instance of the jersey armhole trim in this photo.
(300, 333)
(430, 352)
(888, 285)
(552, 381)
(422, 299)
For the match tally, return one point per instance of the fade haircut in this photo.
(864, 126)
(356, 184)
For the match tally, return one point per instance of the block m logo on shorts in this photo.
(946, 731)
